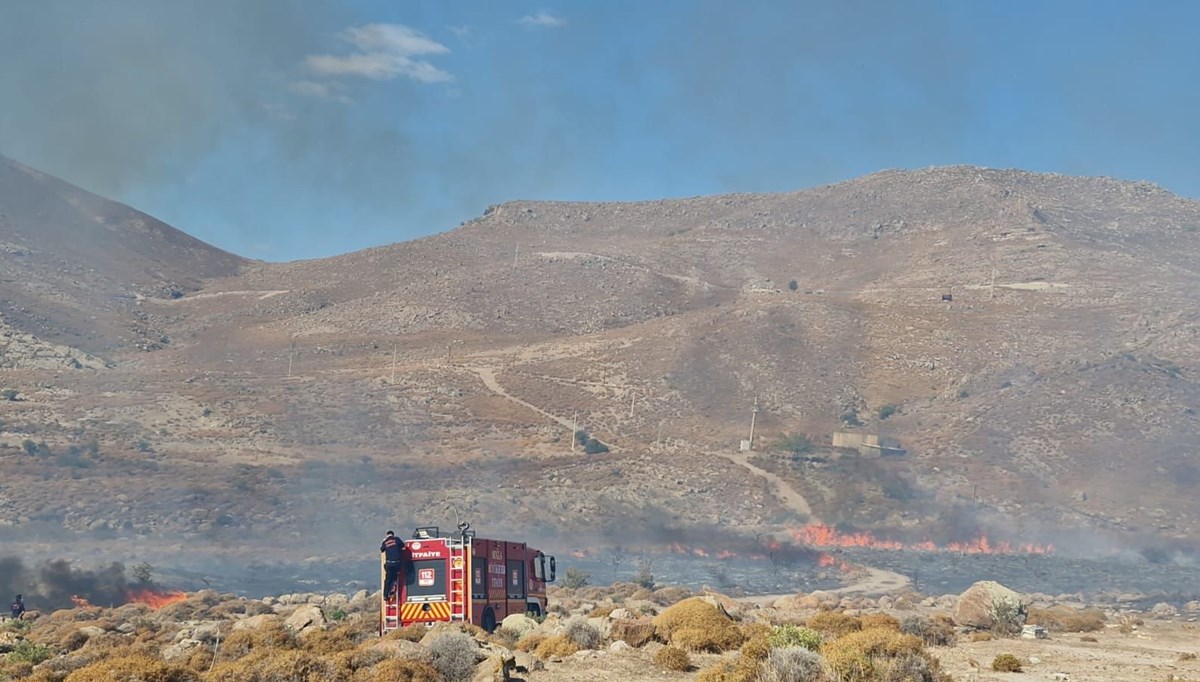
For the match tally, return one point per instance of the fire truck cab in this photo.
(463, 578)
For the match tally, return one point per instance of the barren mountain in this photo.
(74, 262)
(1029, 339)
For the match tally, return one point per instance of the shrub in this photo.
(735, 669)
(1006, 663)
(871, 621)
(410, 633)
(697, 625)
(1087, 638)
(575, 579)
(270, 665)
(530, 642)
(644, 577)
(1007, 617)
(858, 656)
(786, 636)
(594, 447)
(582, 633)
(635, 633)
(1067, 619)
(28, 652)
(793, 664)
(793, 285)
(834, 623)
(672, 658)
(887, 411)
(910, 668)
(132, 668)
(936, 632)
(756, 647)
(558, 645)
(794, 443)
(403, 670)
(271, 636)
(454, 655)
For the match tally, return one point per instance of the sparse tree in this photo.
(143, 573)
(794, 444)
(887, 411)
(793, 285)
(575, 579)
(10, 394)
(29, 447)
(594, 447)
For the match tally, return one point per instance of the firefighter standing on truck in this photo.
(391, 547)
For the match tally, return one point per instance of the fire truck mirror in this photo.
(553, 569)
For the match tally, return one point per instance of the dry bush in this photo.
(834, 624)
(327, 642)
(132, 668)
(72, 640)
(756, 648)
(673, 658)
(1187, 656)
(667, 596)
(602, 611)
(505, 637)
(399, 670)
(871, 621)
(856, 657)
(14, 670)
(696, 625)
(1067, 619)
(410, 633)
(531, 641)
(454, 655)
(642, 594)
(1006, 663)
(793, 664)
(558, 645)
(582, 633)
(635, 633)
(936, 632)
(276, 665)
(981, 636)
(271, 636)
(734, 669)
(1088, 638)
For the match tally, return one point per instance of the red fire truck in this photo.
(462, 578)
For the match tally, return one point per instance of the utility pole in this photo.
(291, 356)
(394, 362)
(658, 441)
(574, 429)
(992, 286)
(632, 398)
(516, 253)
(753, 418)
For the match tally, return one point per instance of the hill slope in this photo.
(443, 376)
(72, 262)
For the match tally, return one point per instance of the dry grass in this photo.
(132, 668)
(873, 621)
(1067, 619)
(1006, 663)
(834, 624)
(410, 633)
(531, 641)
(400, 670)
(696, 625)
(860, 656)
(558, 645)
(673, 658)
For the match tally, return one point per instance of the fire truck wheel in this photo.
(489, 620)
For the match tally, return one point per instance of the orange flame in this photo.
(830, 560)
(154, 598)
(80, 602)
(819, 535)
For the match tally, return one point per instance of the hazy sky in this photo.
(283, 129)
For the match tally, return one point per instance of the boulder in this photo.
(1192, 607)
(334, 600)
(91, 631)
(976, 606)
(307, 616)
(1162, 610)
(181, 649)
(526, 662)
(255, 622)
(519, 624)
(402, 648)
(359, 597)
(619, 647)
(621, 614)
(497, 666)
(8, 641)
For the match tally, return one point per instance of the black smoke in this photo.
(51, 584)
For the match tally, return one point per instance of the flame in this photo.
(154, 598)
(829, 560)
(80, 602)
(819, 535)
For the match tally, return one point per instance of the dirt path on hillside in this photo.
(488, 376)
(783, 490)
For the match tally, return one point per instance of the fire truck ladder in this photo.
(460, 549)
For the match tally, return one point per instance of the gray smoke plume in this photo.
(51, 584)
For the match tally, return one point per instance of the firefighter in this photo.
(391, 548)
(18, 608)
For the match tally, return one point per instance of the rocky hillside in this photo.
(1029, 339)
(72, 263)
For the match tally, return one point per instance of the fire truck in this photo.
(463, 578)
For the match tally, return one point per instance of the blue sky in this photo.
(285, 129)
